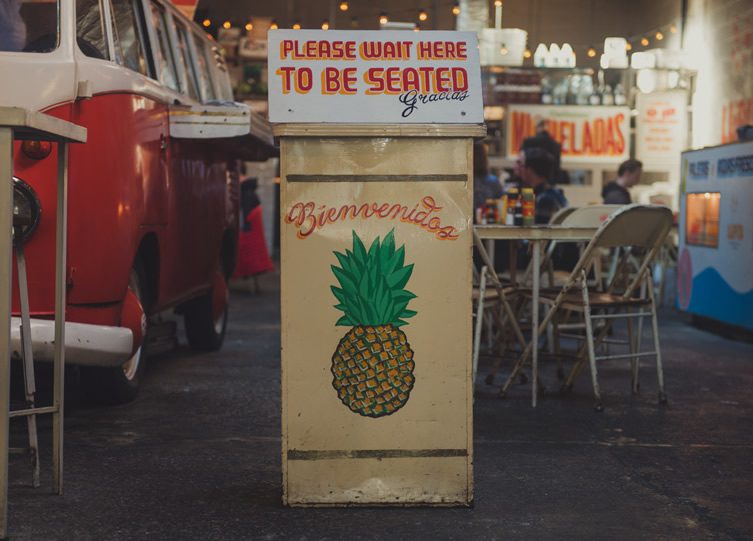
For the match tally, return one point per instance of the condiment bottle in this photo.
(512, 202)
(502, 210)
(491, 211)
(528, 207)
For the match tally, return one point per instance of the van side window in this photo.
(90, 29)
(205, 77)
(185, 57)
(27, 26)
(166, 64)
(129, 35)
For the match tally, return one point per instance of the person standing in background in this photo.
(536, 171)
(544, 140)
(485, 185)
(628, 175)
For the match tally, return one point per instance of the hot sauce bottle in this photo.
(528, 207)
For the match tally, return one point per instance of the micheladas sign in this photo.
(374, 77)
(586, 133)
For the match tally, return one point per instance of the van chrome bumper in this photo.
(85, 344)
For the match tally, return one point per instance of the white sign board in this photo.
(662, 132)
(374, 77)
(587, 134)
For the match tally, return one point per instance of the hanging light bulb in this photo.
(659, 36)
(527, 53)
(591, 52)
(673, 29)
(383, 19)
(497, 3)
(226, 25)
(296, 25)
(503, 50)
(249, 26)
(628, 46)
(274, 25)
(344, 6)
(422, 15)
(456, 9)
(325, 25)
(206, 23)
(644, 42)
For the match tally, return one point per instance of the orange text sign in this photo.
(587, 133)
(374, 77)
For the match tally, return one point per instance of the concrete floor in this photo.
(196, 456)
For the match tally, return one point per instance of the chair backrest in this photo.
(559, 216)
(643, 226)
(590, 216)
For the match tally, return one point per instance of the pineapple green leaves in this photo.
(372, 284)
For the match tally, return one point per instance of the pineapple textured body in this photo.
(373, 370)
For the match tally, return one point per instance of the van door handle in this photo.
(162, 142)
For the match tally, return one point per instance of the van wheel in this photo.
(118, 385)
(206, 317)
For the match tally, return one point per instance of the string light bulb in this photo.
(296, 25)
(206, 23)
(226, 25)
(673, 29)
(249, 27)
(527, 53)
(591, 52)
(383, 19)
(503, 50)
(644, 42)
(628, 46)
(422, 15)
(274, 25)
(456, 9)
(325, 25)
(659, 36)
(497, 3)
(344, 6)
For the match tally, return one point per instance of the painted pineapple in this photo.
(373, 363)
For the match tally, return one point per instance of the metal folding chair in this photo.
(491, 292)
(640, 227)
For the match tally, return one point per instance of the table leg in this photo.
(6, 251)
(61, 238)
(536, 246)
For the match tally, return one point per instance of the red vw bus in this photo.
(153, 194)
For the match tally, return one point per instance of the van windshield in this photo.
(29, 26)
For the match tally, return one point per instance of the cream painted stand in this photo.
(16, 123)
(422, 453)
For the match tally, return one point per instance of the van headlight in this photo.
(26, 211)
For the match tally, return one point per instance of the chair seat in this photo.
(574, 300)
(492, 293)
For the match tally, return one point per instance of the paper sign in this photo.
(662, 132)
(374, 77)
(586, 133)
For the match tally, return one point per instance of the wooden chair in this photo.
(636, 226)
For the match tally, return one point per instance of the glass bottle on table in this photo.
(512, 202)
(528, 207)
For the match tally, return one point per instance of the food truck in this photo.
(715, 266)
(153, 194)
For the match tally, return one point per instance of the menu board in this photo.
(374, 77)
(661, 128)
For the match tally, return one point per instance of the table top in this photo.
(35, 125)
(536, 232)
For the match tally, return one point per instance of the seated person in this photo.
(536, 171)
(628, 175)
